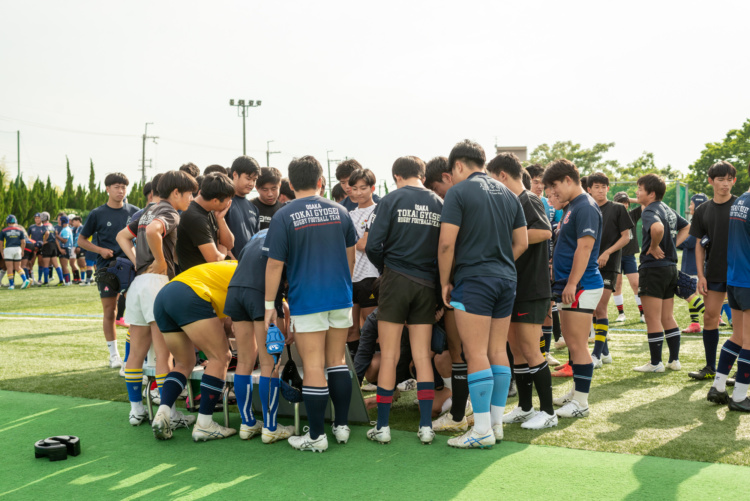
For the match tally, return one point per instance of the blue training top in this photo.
(582, 219)
(553, 215)
(738, 258)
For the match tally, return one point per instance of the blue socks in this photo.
(340, 388)
(316, 399)
(501, 376)
(673, 343)
(211, 388)
(425, 394)
(59, 274)
(243, 390)
(269, 400)
(384, 399)
(655, 343)
(710, 342)
(45, 275)
(173, 386)
(134, 384)
(582, 374)
(481, 384)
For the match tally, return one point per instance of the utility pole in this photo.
(18, 155)
(143, 152)
(330, 181)
(241, 105)
(269, 152)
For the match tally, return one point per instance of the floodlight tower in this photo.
(242, 105)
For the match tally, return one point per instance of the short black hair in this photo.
(217, 185)
(535, 170)
(585, 183)
(215, 168)
(286, 189)
(559, 169)
(365, 175)
(76, 218)
(268, 175)
(304, 173)
(408, 167)
(653, 184)
(199, 180)
(597, 178)
(245, 165)
(116, 178)
(176, 180)
(721, 169)
(191, 169)
(147, 189)
(506, 162)
(526, 179)
(338, 193)
(155, 183)
(345, 168)
(467, 151)
(434, 170)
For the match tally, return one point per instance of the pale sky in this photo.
(372, 81)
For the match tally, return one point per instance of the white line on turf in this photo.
(59, 319)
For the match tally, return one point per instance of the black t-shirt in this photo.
(197, 227)
(266, 211)
(712, 220)
(615, 220)
(105, 223)
(631, 249)
(659, 212)
(242, 218)
(533, 265)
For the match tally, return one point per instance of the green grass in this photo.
(663, 415)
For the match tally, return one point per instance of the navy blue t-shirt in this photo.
(350, 206)
(243, 221)
(105, 223)
(311, 236)
(659, 212)
(36, 232)
(581, 218)
(251, 269)
(738, 258)
(12, 236)
(481, 206)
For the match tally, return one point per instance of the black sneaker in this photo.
(512, 390)
(743, 406)
(705, 373)
(730, 380)
(717, 397)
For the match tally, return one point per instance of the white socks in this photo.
(720, 382)
(483, 422)
(165, 409)
(581, 398)
(112, 346)
(137, 408)
(618, 300)
(740, 392)
(496, 412)
(447, 383)
(204, 420)
(637, 300)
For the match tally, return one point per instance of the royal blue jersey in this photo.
(311, 236)
(738, 257)
(251, 268)
(582, 219)
(12, 236)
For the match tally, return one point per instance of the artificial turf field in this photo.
(51, 343)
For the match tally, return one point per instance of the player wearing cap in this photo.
(736, 347)
(662, 230)
(12, 242)
(578, 282)
(710, 227)
(104, 223)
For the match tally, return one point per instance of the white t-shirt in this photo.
(363, 268)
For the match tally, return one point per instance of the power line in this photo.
(62, 129)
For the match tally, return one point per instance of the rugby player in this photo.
(243, 218)
(12, 242)
(267, 201)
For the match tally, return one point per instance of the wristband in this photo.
(270, 305)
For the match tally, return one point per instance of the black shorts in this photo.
(610, 279)
(738, 297)
(28, 255)
(49, 250)
(530, 312)
(404, 300)
(717, 286)
(244, 304)
(659, 282)
(64, 253)
(362, 293)
(105, 291)
(177, 305)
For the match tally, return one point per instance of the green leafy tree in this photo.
(67, 196)
(645, 164)
(588, 160)
(734, 148)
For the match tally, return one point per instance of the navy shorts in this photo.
(739, 297)
(628, 265)
(244, 304)
(486, 296)
(717, 286)
(177, 305)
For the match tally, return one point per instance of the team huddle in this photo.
(454, 283)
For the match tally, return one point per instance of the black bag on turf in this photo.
(291, 382)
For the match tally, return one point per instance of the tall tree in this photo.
(645, 164)
(68, 192)
(734, 148)
(588, 160)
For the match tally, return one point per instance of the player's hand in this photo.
(603, 258)
(439, 314)
(447, 289)
(702, 286)
(657, 253)
(106, 253)
(158, 267)
(270, 318)
(222, 213)
(289, 338)
(569, 293)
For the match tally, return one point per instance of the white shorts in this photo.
(316, 322)
(139, 302)
(13, 253)
(586, 301)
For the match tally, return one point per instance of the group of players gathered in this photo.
(449, 284)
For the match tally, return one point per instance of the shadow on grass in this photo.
(97, 383)
(35, 335)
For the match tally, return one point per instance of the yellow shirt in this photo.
(210, 282)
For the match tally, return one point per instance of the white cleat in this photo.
(497, 430)
(25, 284)
(446, 423)
(155, 397)
(136, 418)
(426, 435)
(607, 359)
(674, 365)
(214, 431)
(597, 362)
(122, 372)
(408, 385)
(560, 344)
(643, 319)
(382, 435)
(473, 440)
(560, 401)
(621, 318)
(518, 415)
(161, 426)
(649, 367)
(551, 361)
(247, 432)
(369, 387)
(341, 433)
(180, 420)
(305, 443)
(280, 433)
(573, 409)
(115, 362)
(540, 421)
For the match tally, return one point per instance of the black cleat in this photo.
(717, 397)
(705, 373)
(743, 406)
(730, 380)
